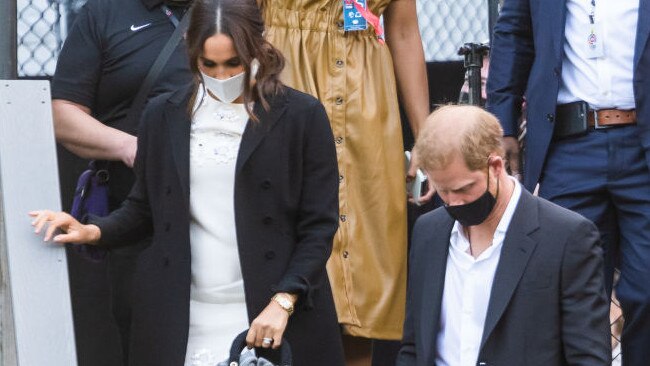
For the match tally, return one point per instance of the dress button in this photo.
(338, 140)
(269, 255)
(339, 63)
(268, 220)
(167, 226)
(550, 117)
(339, 101)
(346, 254)
(343, 218)
(266, 184)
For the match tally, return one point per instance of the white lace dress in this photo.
(217, 304)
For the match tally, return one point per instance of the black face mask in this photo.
(474, 213)
(178, 3)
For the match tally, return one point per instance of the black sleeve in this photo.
(132, 222)
(79, 65)
(318, 216)
(585, 310)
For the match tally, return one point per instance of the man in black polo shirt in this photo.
(102, 65)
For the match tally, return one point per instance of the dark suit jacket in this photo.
(526, 59)
(286, 215)
(548, 305)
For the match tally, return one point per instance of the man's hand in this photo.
(513, 159)
(128, 149)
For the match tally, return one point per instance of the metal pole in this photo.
(473, 53)
(8, 36)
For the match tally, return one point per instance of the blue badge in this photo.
(353, 20)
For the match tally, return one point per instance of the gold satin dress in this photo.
(352, 75)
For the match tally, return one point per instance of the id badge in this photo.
(594, 40)
(353, 20)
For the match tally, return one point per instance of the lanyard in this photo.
(592, 14)
(170, 14)
(372, 19)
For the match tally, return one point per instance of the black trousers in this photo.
(122, 263)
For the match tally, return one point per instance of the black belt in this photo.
(576, 118)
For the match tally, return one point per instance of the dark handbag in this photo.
(240, 342)
(91, 198)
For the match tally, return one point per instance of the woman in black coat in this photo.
(285, 200)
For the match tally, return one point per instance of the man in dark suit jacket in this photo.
(584, 68)
(498, 276)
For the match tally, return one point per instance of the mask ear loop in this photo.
(496, 197)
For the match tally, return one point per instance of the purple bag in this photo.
(91, 198)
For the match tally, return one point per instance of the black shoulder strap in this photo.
(138, 102)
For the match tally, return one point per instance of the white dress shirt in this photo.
(604, 82)
(466, 295)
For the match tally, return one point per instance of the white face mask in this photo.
(227, 90)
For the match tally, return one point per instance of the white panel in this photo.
(38, 275)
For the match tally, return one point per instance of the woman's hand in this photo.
(410, 175)
(74, 231)
(271, 323)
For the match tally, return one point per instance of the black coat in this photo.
(286, 213)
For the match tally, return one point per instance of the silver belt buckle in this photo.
(596, 125)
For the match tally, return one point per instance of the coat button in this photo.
(346, 254)
(550, 117)
(340, 178)
(338, 140)
(268, 220)
(339, 24)
(166, 261)
(266, 184)
(339, 62)
(269, 255)
(343, 218)
(338, 101)
(167, 226)
(168, 190)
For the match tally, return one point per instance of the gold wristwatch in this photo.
(284, 302)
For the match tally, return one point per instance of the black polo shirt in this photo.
(105, 59)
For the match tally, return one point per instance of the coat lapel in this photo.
(434, 275)
(556, 17)
(643, 29)
(256, 131)
(517, 249)
(179, 122)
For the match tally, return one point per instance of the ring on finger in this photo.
(266, 340)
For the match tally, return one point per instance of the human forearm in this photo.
(405, 44)
(87, 137)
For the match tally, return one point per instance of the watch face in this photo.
(284, 303)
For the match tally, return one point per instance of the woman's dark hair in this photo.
(241, 20)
